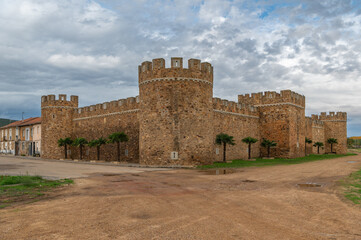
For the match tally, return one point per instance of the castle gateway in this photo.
(175, 120)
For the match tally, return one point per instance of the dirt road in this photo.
(256, 203)
(55, 169)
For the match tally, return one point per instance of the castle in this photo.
(175, 120)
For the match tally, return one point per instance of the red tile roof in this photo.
(25, 122)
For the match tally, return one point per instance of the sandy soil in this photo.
(55, 169)
(255, 203)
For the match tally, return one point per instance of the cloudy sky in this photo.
(92, 48)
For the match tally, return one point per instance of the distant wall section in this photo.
(101, 120)
(239, 121)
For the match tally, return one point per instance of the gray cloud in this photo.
(92, 48)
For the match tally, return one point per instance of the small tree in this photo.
(80, 142)
(350, 142)
(307, 141)
(224, 139)
(97, 143)
(332, 141)
(117, 138)
(249, 141)
(268, 144)
(65, 142)
(318, 145)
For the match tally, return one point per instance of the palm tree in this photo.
(224, 139)
(80, 142)
(97, 143)
(117, 138)
(332, 141)
(318, 145)
(249, 141)
(307, 141)
(268, 144)
(65, 142)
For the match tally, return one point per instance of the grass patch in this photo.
(15, 189)
(352, 186)
(271, 162)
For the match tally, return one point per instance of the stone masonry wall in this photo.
(57, 115)
(103, 119)
(318, 135)
(308, 134)
(239, 121)
(335, 126)
(176, 119)
(282, 119)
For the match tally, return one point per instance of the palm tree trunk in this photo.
(81, 152)
(249, 150)
(224, 152)
(318, 149)
(98, 152)
(118, 151)
(66, 152)
(331, 148)
(268, 150)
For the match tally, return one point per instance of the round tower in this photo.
(56, 123)
(176, 118)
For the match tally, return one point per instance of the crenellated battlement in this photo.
(225, 106)
(120, 106)
(271, 97)
(156, 71)
(61, 101)
(332, 116)
(314, 122)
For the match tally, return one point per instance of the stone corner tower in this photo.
(335, 125)
(56, 120)
(176, 117)
(282, 119)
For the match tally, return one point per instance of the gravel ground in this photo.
(253, 203)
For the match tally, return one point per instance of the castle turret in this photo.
(335, 126)
(176, 112)
(282, 119)
(56, 121)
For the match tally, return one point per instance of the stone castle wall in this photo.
(282, 119)
(56, 120)
(239, 121)
(176, 112)
(318, 135)
(175, 120)
(101, 120)
(308, 134)
(335, 126)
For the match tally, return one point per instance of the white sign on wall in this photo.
(174, 155)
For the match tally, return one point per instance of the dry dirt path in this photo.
(55, 169)
(256, 203)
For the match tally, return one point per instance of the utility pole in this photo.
(22, 116)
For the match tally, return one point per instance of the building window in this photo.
(27, 134)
